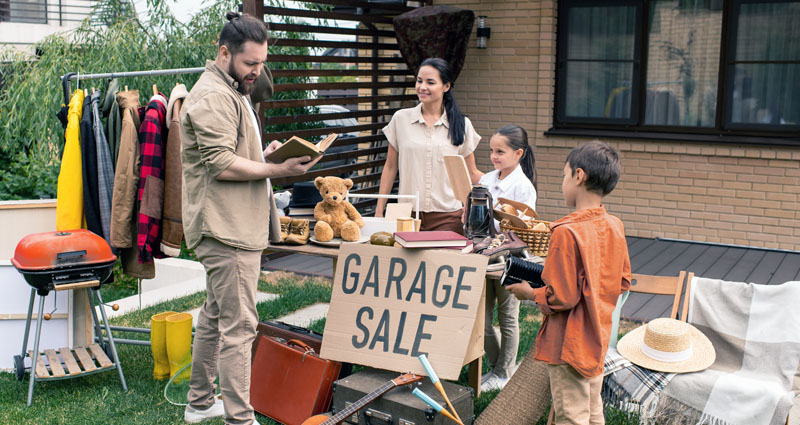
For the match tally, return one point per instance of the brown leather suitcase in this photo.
(289, 381)
(286, 332)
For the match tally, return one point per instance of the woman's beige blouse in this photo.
(421, 150)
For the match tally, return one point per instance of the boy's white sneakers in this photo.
(193, 416)
(490, 382)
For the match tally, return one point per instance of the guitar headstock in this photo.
(406, 378)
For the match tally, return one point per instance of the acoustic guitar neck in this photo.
(358, 405)
(367, 399)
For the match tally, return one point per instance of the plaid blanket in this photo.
(755, 330)
(632, 388)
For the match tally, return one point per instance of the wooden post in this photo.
(81, 318)
(254, 7)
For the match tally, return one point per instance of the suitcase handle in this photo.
(301, 344)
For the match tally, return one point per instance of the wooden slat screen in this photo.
(367, 62)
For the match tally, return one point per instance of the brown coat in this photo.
(587, 268)
(126, 183)
(172, 224)
(126, 174)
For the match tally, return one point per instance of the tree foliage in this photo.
(112, 39)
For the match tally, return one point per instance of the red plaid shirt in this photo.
(152, 141)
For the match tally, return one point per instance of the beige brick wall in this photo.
(734, 194)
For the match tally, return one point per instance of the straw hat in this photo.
(668, 345)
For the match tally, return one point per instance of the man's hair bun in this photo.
(232, 15)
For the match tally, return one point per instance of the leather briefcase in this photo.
(289, 381)
(286, 331)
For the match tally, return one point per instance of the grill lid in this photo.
(53, 250)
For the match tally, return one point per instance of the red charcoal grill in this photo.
(57, 261)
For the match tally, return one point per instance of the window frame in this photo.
(39, 20)
(723, 130)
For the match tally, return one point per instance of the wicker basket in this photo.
(538, 240)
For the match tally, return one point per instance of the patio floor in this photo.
(648, 256)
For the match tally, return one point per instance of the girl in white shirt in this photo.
(514, 178)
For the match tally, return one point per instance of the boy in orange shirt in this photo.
(587, 268)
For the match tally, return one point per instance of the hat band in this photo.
(666, 356)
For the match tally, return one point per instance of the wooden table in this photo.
(333, 253)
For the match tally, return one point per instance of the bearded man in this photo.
(226, 213)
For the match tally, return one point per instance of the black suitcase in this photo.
(399, 406)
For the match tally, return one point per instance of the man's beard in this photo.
(243, 87)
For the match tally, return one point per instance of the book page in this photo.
(326, 142)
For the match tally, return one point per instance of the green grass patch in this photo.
(99, 398)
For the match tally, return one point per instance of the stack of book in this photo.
(433, 239)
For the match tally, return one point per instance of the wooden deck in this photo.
(648, 256)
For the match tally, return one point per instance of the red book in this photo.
(464, 250)
(430, 239)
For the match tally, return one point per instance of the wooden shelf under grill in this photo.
(78, 361)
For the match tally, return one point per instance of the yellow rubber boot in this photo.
(158, 345)
(179, 345)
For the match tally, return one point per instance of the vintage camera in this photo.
(517, 270)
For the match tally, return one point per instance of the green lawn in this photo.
(99, 398)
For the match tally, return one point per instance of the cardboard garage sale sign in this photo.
(389, 305)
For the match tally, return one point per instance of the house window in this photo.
(679, 66)
(23, 11)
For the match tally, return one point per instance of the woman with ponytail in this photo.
(419, 139)
(514, 178)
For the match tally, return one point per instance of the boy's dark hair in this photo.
(600, 162)
(518, 139)
(241, 28)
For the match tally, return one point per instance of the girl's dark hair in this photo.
(518, 139)
(241, 28)
(454, 116)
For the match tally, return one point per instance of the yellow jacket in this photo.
(69, 202)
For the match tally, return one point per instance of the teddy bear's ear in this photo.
(318, 182)
(348, 183)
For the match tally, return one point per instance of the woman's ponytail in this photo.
(455, 117)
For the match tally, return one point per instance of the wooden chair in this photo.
(656, 285)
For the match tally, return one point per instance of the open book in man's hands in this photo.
(297, 146)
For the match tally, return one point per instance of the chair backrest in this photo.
(658, 285)
(661, 285)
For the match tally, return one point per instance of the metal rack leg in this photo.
(110, 339)
(35, 356)
(28, 325)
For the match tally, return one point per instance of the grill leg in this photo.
(110, 338)
(35, 348)
(28, 326)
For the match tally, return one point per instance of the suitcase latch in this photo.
(375, 414)
(405, 422)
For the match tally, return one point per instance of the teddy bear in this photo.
(336, 217)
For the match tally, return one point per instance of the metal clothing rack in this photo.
(66, 87)
(66, 78)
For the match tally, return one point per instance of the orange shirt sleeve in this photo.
(561, 291)
(626, 271)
